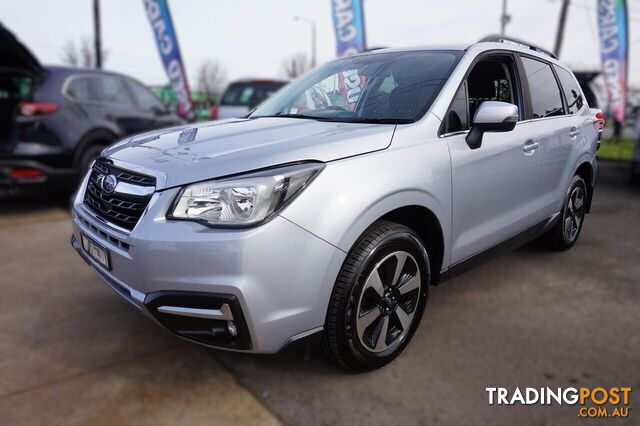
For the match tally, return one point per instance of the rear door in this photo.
(154, 111)
(494, 187)
(117, 105)
(558, 127)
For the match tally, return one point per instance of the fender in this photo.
(349, 195)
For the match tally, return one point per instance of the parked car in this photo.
(330, 210)
(55, 120)
(242, 96)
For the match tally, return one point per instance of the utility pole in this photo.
(561, 24)
(504, 19)
(96, 33)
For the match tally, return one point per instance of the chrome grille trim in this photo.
(124, 206)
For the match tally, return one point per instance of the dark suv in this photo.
(55, 120)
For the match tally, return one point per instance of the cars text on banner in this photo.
(614, 49)
(160, 20)
(348, 23)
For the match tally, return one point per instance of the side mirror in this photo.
(491, 116)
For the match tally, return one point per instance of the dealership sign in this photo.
(348, 23)
(160, 19)
(614, 47)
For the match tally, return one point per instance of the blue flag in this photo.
(348, 23)
(160, 20)
(614, 49)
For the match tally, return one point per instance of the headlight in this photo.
(245, 200)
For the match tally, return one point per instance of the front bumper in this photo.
(276, 278)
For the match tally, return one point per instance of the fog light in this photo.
(232, 329)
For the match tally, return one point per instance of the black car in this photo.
(55, 120)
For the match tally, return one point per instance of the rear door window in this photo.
(572, 92)
(546, 99)
(111, 89)
(78, 89)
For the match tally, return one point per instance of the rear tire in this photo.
(378, 299)
(566, 231)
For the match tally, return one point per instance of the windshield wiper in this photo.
(310, 117)
(380, 120)
(336, 119)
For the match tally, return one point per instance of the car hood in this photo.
(187, 154)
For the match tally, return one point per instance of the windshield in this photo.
(394, 87)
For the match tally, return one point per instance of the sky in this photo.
(252, 38)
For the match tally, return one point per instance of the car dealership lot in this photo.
(72, 352)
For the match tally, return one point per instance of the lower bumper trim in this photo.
(224, 313)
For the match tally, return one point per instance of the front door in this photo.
(495, 193)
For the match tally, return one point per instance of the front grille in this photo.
(123, 210)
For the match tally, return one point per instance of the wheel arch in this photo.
(585, 170)
(425, 223)
(98, 136)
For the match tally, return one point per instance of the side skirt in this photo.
(499, 249)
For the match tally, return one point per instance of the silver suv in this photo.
(330, 210)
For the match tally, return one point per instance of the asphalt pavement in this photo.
(72, 352)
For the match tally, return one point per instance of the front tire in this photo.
(378, 298)
(566, 231)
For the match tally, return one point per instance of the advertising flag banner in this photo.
(348, 23)
(614, 49)
(160, 20)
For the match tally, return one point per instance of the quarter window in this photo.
(546, 99)
(146, 99)
(457, 119)
(572, 92)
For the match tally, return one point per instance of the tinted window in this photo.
(394, 87)
(545, 93)
(458, 116)
(111, 89)
(78, 89)
(571, 90)
(249, 94)
(144, 97)
(490, 80)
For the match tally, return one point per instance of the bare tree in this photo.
(82, 55)
(295, 65)
(210, 79)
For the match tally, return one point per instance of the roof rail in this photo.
(522, 43)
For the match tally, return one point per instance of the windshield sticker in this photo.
(351, 84)
(187, 135)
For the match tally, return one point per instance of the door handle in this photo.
(530, 146)
(574, 132)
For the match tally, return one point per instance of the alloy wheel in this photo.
(388, 301)
(574, 214)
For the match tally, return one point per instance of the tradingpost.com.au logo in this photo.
(593, 402)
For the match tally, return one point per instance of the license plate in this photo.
(96, 251)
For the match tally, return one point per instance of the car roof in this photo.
(503, 44)
(69, 70)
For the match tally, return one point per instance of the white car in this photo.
(330, 210)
